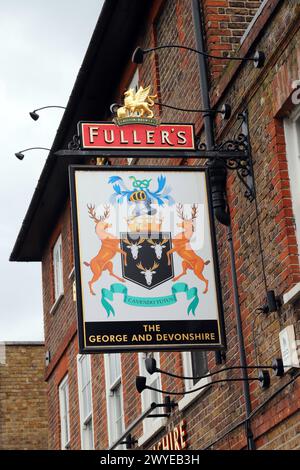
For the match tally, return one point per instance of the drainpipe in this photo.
(217, 169)
(217, 175)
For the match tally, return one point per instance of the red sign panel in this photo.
(137, 136)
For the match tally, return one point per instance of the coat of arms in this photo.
(146, 263)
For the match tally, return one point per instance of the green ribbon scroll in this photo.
(179, 287)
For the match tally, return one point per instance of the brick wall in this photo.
(266, 93)
(225, 24)
(64, 313)
(23, 398)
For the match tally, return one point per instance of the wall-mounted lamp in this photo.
(140, 383)
(47, 357)
(272, 304)
(34, 115)
(263, 378)
(258, 58)
(20, 154)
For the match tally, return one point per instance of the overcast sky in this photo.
(42, 47)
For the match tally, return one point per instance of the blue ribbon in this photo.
(179, 287)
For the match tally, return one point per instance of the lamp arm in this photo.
(186, 392)
(211, 374)
(212, 111)
(178, 46)
(35, 148)
(45, 107)
(114, 107)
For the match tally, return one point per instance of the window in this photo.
(64, 413)
(292, 139)
(150, 425)
(194, 365)
(85, 402)
(58, 269)
(114, 399)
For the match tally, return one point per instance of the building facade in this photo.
(23, 397)
(92, 399)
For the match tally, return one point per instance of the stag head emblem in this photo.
(158, 247)
(134, 247)
(148, 272)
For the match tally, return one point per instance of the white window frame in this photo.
(111, 386)
(58, 269)
(292, 141)
(189, 385)
(85, 420)
(134, 83)
(151, 426)
(63, 391)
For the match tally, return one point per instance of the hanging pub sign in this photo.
(145, 253)
(145, 259)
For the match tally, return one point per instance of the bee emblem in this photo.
(138, 196)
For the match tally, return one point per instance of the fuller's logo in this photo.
(137, 107)
(135, 127)
(103, 135)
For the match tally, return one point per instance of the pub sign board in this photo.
(145, 259)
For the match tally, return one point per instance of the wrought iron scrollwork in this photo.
(244, 172)
(74, 144)
(202, 146)
(239, 144)
(242, 165)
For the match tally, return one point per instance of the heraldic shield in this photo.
(147, 261)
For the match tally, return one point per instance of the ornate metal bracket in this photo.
(243, 166)
(236, 155)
